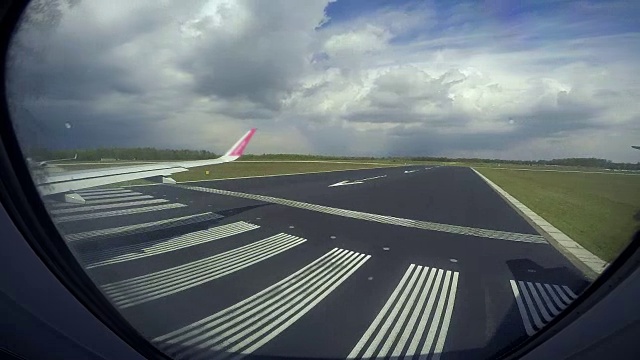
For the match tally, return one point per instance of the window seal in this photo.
(19, 196)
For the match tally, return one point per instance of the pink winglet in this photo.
(238, 148)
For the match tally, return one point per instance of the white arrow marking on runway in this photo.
(347, 182)
(410, 171)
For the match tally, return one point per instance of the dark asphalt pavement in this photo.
(198, 288)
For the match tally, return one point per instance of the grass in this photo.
(599, 211)
(242, 169)
(548, 168)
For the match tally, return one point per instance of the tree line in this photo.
(576, 162)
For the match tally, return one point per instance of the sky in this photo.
(493, 79)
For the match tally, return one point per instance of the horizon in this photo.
(249, 154)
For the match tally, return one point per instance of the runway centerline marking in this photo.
(384, 219)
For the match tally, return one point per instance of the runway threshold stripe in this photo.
(107, 206)
(103, 191)
(556, 299)
(569, 292)
(426, 225)
(560, 292)
(523, 312)
(369, 332)
(447, 318)
(547, 300)
(378, 339)
(137, 251)
(143, 227)
(152, 286)
(103, 201)
(386, 347)
(103, 214)
(109, 196)
(411, 307)
(246, 326)
(225, 258)
(530, 306)
(539, 303)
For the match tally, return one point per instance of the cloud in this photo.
(251, 51)
(465, 79)
(408, 95)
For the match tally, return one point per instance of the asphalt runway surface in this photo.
(409, 261)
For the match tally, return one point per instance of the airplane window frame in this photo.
(19, 196)
(26, 209)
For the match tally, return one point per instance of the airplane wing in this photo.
(635, 147)
(47, 162)
(68, 182)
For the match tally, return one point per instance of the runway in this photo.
(415, 261)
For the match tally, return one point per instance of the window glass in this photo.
(429, 180)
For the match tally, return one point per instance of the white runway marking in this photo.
(556, 300)
(411, 306)
(152, 286)
(547, 300)
(136, 251)
(426, 225)
(246, 326)
(104, 201)
(108, 196)
(107, 206)
(98, 215)
(354, 182)
(143, 227)
(539, 303)
(102, 191)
